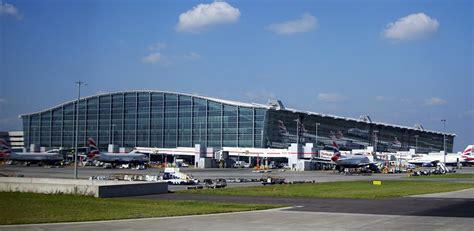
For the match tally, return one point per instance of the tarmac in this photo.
(406, 206)
(274, 220)
(461, 194)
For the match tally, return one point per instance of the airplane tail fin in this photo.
(337, 154)
(93, 149)
(468, 150)
(5, 148)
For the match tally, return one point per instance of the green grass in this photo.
(23, 208)
(352, 189)
(450, 175)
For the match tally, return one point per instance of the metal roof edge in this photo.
(362, 121)
(230, 102)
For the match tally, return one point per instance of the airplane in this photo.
(352, 161)
(425, 159)
(467, 154)
(115, 159)
(49, 158)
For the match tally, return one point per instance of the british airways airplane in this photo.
(115, 159)
(467, 154)
(50, 158)
(351, 161)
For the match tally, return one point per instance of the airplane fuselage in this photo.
(423, 158)
(122, 158)
(353, 161)
(32, 157)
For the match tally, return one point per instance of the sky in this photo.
(400, 62)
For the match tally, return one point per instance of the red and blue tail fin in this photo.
(468, 150)
(93, 149)
(5, 148)
(337, 154)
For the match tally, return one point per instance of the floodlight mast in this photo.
(79, 83)
(444, 140)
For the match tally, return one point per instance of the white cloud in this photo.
(331, 97)
(411, 27)
(434, 101)
(157, 46)
(153, 58)
(204, 15)
(9, 9)
(306, 23)
(192, 56)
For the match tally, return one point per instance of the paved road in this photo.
(464, 194)
(409, 206)
(271, 220)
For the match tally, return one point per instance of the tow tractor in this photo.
(217, 183)
(270, 179)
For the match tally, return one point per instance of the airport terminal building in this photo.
(169, 120)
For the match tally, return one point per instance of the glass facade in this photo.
(281, 130)
(168, 120)
(147, 119)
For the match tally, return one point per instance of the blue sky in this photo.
(401, 62)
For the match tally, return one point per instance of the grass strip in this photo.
(349, 189)
(27, 208)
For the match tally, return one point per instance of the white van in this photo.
(239, 164)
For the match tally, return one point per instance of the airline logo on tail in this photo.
(468, 150)
(467, 153)
(5, 149)
(337, 154)
(93, 149)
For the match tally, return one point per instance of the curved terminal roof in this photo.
(363, 121)
(229, 102)
(241, 104)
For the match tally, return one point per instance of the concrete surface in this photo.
(83, 187)
(462, 194)
(272, 220)
(318, 176)
(408, 206)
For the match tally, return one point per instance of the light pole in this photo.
(416, 142)
(444, 139)
(297, 131)
(79, 83)
(317, 150)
